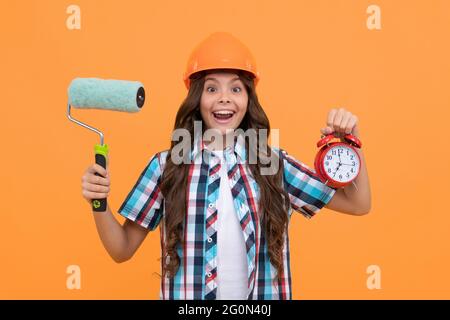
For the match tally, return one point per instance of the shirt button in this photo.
(210, 240)
(211, 205)
(209, 274)
(214, 176)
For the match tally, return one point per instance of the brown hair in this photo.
(273, 202)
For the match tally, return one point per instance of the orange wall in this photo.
(313, 56)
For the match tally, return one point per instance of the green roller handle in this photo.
(101, 154)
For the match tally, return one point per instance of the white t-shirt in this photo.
(231, 253)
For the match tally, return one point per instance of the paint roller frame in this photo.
(101, 150)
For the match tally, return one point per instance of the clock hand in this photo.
(336, 169)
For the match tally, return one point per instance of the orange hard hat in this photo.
(220, 50)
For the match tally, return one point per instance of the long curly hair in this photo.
(273, 201)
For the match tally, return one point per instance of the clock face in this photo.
(341, 163)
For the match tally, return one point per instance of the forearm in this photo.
(112, 235)
(360, 196)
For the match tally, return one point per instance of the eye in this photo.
(239, 89)
(207, 89)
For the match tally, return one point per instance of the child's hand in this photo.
(95, 187)
(341, 122)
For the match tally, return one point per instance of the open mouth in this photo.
(223, 115)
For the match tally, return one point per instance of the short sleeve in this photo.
(144, 203)
(307, 193)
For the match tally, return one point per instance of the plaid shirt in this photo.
(196, 277)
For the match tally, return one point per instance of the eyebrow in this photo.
(232, 80)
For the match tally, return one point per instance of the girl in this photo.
(223, 223)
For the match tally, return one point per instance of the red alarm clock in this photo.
(338, 163)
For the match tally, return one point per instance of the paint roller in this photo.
(95, 93)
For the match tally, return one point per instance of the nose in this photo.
(224, 100)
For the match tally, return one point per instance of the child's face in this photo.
(224, 101)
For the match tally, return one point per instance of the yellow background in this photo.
(313, 56)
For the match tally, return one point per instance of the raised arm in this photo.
(120, 241)
(350, 199)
